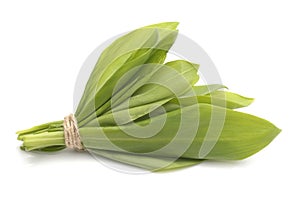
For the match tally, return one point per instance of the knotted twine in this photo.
(71, 133)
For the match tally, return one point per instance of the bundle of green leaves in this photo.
(140, 110)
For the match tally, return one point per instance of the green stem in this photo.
(44, 137)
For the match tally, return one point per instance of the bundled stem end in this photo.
(45, 137)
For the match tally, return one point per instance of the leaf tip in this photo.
(166, 25)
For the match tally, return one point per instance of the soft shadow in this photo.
(224, 164)
(67, 155)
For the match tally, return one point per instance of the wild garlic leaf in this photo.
(117, 59)
(146, 162)
(171, 79)
(233, 100)
(125, 116)
(150, 87)
(241, 136)
(201, 90)
(217, 98)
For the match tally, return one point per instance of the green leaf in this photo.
(232, 100)
(201, 90)
(146, 162)
(217, 98)
(136, 48)
(176, 75)
(125, 116)
(166, 25)
(150, 90)
(241, 135)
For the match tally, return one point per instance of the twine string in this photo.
(71, 133)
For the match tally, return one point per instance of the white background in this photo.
(254, 44)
